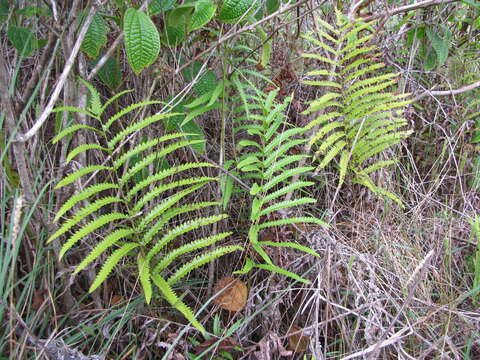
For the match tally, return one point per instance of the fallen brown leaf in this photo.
(297, 342)
(232, 294)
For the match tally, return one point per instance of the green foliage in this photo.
(110, 73)
(140, 217)
(203, 12)
(266, 159)
(440, 48)
(142, 41)
(232, 10)
(96, 36)
(475, 223)
(157, 6)
(358, 120)
(23, 40)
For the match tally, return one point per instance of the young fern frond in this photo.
(137, 228)
(358, 119)
(273, 168)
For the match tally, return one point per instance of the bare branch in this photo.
(449, 92)
(406, 8)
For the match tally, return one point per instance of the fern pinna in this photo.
(266, 159)
(137, 212)
(358, 120)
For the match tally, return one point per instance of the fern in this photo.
(266, 159)
(358, 119)
(137, 215)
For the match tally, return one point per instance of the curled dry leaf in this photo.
(231, 294)
(298, 341)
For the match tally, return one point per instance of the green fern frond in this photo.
(326, 129)
(201, 260)
(99, 249)
(154, 156)
(122, 135)
(366, 70)
(182, 229)
(322, 119)
(173, 299)
(79, 173)
(286, 189)
(282, 137)
(357, 52)
(145, 145)
(379, 165)
(370, 81)
(334, 150)
(156, 191)
(343, 167)
(76, 110)
(73, 128)
(110, 263)
(281, 150)
(95, 106)
(279, 270)
(113, 98)
(144, 275)
(82, 195)
(320, 58)
(81, 214)
(292, 220)
(164, 174)
(127, 110)
(171, 256)
(279, 165)
(289, 244)
(327, 26)
(89, 228)
(81, 148)
(320, 44)
(164, 206)
(168, 215)
(285, 175)
(330, 140)
(287, 204)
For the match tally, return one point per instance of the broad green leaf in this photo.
(233, 9)
(96, 36)
(110, 73)
(22, 39)
(157, 6)
(176, 26)
(193, 128)
(272, 6)
(203, 13)
(439, 45)
(430, 61)
(142, 41)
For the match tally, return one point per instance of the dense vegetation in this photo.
(240, 179)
